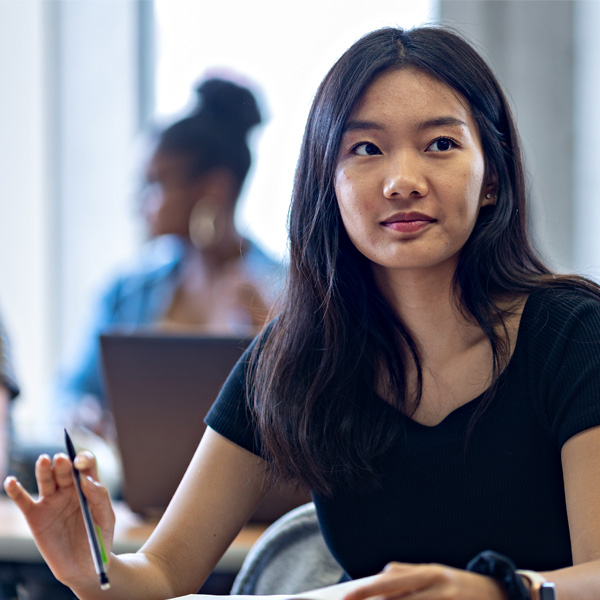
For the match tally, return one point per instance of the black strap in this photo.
(503, 570)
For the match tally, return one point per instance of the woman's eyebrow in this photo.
(362, 126)
(443, 121)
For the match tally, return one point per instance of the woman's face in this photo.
(410, 174)
(170, 194)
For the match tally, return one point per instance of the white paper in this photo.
(332, 592)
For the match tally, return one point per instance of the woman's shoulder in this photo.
(157, 259)
(564, 296)
(558, 353)
(562, 306)
(157, 255)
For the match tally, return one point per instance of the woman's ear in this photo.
(489, 191)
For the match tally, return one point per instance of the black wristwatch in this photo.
(539, 587)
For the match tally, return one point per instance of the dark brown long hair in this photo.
(312, 384)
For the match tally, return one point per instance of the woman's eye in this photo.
(366, 149)
(441, 145)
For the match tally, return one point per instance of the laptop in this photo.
(159, 388)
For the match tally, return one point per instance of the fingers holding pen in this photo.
(96, 494)
(99, 502)
(53, 474)
(57, 473)
(85, 463)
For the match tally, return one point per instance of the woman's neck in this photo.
(213, 259)
(426, 303)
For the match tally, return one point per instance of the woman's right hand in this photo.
(56, 520)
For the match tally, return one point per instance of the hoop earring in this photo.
(203, 224)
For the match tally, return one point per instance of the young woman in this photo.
(434, 384)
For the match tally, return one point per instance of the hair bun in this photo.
(229, 103)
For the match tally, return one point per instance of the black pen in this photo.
(93, 531)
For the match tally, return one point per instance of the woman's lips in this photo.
(408, 223)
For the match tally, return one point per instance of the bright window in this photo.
(286, 49)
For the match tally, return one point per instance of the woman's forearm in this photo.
(132, 576)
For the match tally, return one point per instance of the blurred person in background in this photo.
(197, 271)
(8, 391)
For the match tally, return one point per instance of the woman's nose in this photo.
(404, 179)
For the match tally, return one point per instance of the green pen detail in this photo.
(101, 542)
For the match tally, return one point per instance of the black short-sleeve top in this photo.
(443, 497)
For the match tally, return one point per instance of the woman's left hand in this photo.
(428, 582)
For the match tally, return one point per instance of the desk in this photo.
(131, 531)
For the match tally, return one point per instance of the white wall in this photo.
(547, 55)
(98, 129)
(27, 296)
(586, 184)
(530, 47)
(69, 129)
